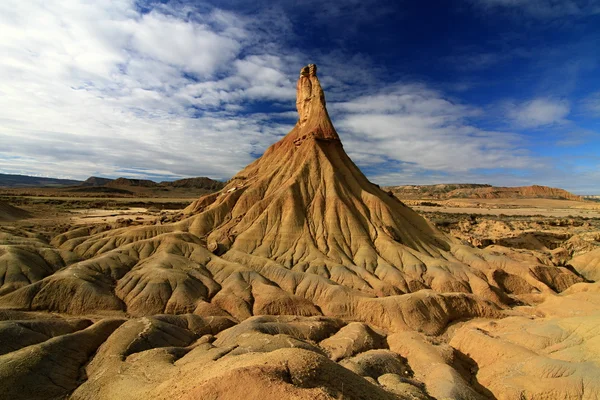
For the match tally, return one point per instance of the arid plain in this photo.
(299, 279)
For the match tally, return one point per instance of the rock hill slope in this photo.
(11, 213)
(299, 279)
(478, 191)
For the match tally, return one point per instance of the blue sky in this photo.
(505, 92)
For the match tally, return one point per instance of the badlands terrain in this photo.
(475, 191)
(300, 279)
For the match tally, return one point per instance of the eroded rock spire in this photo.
(310, 102)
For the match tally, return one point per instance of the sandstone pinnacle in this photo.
(310, 101)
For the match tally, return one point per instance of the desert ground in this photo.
(299, 279)
(523, 207)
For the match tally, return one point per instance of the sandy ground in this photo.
(76, 212)
(514, 207)
(547, 212)
(96, 216)
(114, 199)
(57, 213)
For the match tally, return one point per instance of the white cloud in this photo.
(193, 47)
(414, 124)
(538, 112)
(98, 88)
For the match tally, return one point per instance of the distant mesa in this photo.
(322, 131)
(480, 191)
(96, 181)
(187, 183)
(195, 183)
(26, 181)
(132, 182)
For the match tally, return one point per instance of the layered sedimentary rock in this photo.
(480, 191)
(325, 276)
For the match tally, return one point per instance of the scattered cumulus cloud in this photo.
(103, 88)
(418, 126)
(538, 112)
(90, 88)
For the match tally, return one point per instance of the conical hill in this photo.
(299, 231)
(306, 205)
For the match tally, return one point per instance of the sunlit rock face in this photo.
(299, 279)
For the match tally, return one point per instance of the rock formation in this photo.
(95, 181)
(188, 183)
(479, 191)
(12, 213)
(299, 279)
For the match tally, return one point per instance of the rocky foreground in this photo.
(300, 279)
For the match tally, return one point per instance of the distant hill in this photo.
(187, 183)
(479, 191)
(96, 181)
(435, 191)
(101, 185)
(197, 183)
(120, 182)
(24, 181)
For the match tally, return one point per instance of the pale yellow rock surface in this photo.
(300, 279)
